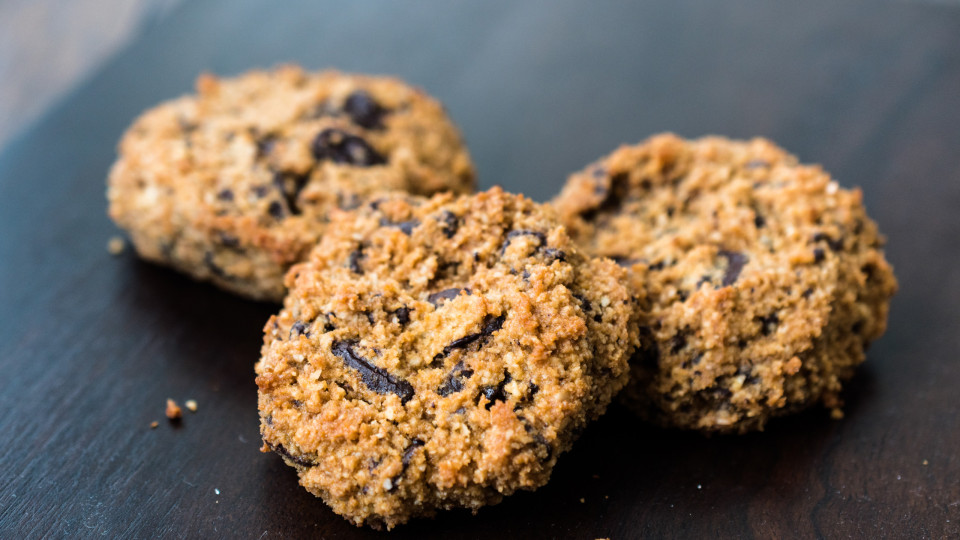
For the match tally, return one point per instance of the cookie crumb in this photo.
(173, 410)
(115, 245)
(925, 462)
(836, 413)
(154, 424)
(191, 405)
(582, 500)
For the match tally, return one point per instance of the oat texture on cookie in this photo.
(236, 183)
(762, 282)
(440, 353)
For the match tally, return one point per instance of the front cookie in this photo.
(235, 184)
(440, 354)
(762, 282)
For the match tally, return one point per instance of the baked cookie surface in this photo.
(761, 281)
(236, 183)
(440, 353)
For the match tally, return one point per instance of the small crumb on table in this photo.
(115, 245)
(191, 405)
(173, 410)
(154, 424)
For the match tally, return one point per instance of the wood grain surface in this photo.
(91, 345)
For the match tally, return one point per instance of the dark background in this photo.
(91, 345)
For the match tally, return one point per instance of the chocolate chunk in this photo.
(364, 111)
(450, 223)
(405, 459)
(554, 254)
(497, 392)
(541, 238)
(279, 449)
(533, 389)
(403, 315)
(759, 221)
(437, 298)
(214, 267)
(341, 147)
(678, 341)
(834, 245)
(768, 324)
(265, 145)
(657, 266)
(490, 325)
(299, 328)
(225, 194)
(275, 209)
(353, 261)
(406, 227)
(375, 378)
(818, 255)
(693, 362)
(408, 452)
(735, 264)
(585, 304)
(290, 186)
(228, 240)
(542, 441)
(624, 261)
(260, 191)
(613, 194)
(454, 381)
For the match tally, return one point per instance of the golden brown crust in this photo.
(762, 282)
(440, 353)
(232, 186)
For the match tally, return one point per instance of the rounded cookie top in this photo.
(236, 183)
(442, 353)
(762, 281)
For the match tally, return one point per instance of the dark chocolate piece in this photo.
(490, 325)
(353, 261)
(364, 110)
(299, 328)
(497, 392)
(279, 449)
(406, 227)
(541, 238)
(339, 146)
(454, 381)
(438, 297)
(450, 223)
(735, 264)
(375, 378)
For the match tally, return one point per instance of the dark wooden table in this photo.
(92, 345)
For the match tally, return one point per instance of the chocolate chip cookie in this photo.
(761, 281)
(440, 353)
(234, 184)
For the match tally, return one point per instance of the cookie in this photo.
(441, 353)
(761, 281)
(236, 183)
